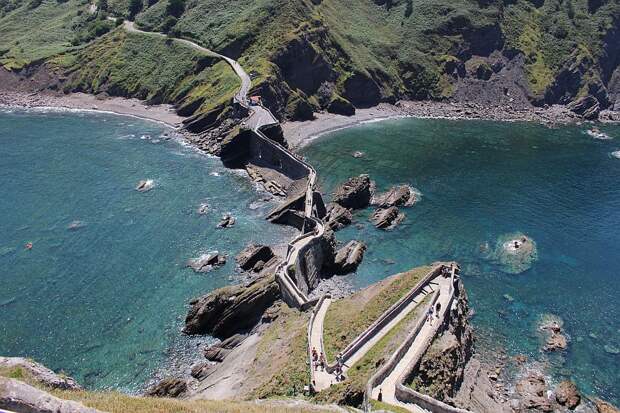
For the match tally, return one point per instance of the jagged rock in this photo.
(355, 193)
(533, 390)
(349, 257)
(227, 221)
(400, 195)
(203, 209)
(253, 257)
(206, 262)
(588, 107)
(201, 371)
(170, 387)
(337, 216)
(567, 394)
(218, 352)
(387, 218)
(20, 397)
(604, 407)
(231, 309)
(556, 341)
(145, 185)
(39, 373)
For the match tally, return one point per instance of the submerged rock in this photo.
(337, 216)
(145, 185)
(231, 309)
(567, 394)
(254, 257)
(400, 195)
(203, 209)
(387, 218)
(206, 262)
(355, 193)
(227, 221)
(349, 257)
(515, 252)
(170, 387)
(75, 225)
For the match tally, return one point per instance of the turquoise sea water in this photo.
(104, 302)
(481, 183)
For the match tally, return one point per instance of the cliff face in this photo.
(440, 372)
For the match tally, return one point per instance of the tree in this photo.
(175, 8)
(102, 5)
(135, 7)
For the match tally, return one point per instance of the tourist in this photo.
(315, 355)
(380, 396)
(322, 361)
(437, 310)
(429, 316)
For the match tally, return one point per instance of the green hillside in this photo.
(311, 54)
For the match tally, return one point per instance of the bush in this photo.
(175, 8)
(168, 24)
(135, 7)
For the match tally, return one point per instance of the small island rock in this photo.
(337, 216)
(349, 257)
(355, 193)
(387, 218)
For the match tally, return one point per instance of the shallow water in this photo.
(482, 183)
(105, 299)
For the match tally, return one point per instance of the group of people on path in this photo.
(319, 361)
(433, 313)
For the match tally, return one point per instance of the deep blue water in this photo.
(481, 183)
(106, 301)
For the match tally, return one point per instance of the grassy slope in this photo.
(114, 402)
(348, 317)
(49, 31)
(148, 67)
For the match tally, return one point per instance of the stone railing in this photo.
(387, 316)
(388, 367)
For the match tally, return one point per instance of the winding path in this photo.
(360, 346)
(260, 117)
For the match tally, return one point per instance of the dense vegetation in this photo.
(311, 54)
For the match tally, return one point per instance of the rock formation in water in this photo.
(566, 394)
(254, 257)
(207, 262)
(227, 221)
(400, 195)
(355, 193)
(349, 257)
(231, 309)
(337, 216)
(387, 218)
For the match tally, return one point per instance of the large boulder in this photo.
(588, 107)
(533, 392)
(567, 394)
(349, 257)
(18, 396)
(355, 193)
(387, 218)
(219, 351)
(206, 262)
(38, 372)
(252, 256)
(337, 216)
(400, 195)
(170, 387)
(231, 309)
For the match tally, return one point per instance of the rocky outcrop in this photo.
(206, 262)
(231, 309)
(604, 407)
(555, 339)
(337, 216)
(566, 394)
(588, 107)
(400, 195)
(254, 257)
(219, 351)
(171, 387)
(227, 221)
(532, 391)
(387, 218)
(39, 372)
(18, 396)
(349, 257)
(341, 106)
(201, 371)
(355, 193)
(441, 370)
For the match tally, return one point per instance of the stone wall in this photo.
(265, 153)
